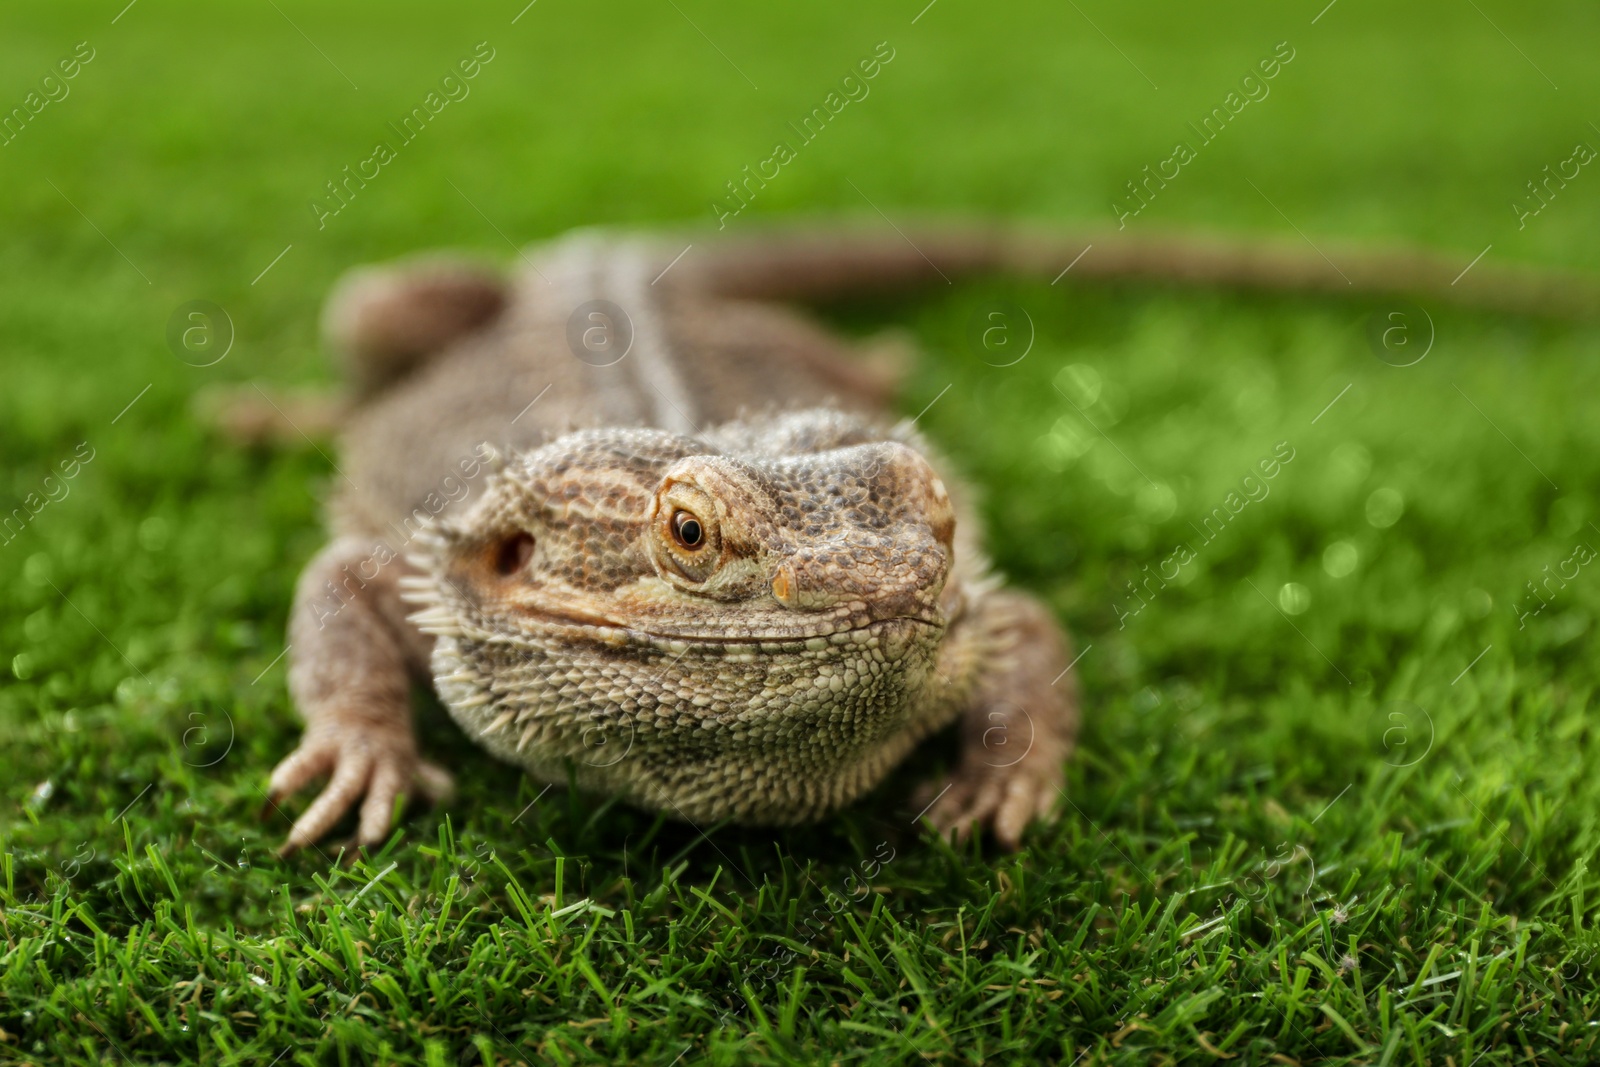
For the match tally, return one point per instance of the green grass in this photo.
(1356, 833)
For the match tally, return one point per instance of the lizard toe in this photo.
(957, 807)
(1006, 800)
(299, 767)
(349, 781)
(386, 786)
(397, 775)
(434, 782)
(1029, 795)
(374, 774)
(1015, 811)
(985, 803)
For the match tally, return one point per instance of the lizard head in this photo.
(714, 598)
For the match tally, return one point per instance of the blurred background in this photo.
(161, 153)
(186, 154)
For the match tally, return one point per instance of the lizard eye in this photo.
(685, 537)
(686, 530)
(513, 554)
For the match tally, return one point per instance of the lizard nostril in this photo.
(513, 554)
(783, 587)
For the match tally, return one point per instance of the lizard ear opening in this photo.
(513, 554)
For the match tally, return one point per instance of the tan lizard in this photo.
(635, 521)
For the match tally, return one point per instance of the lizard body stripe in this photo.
(654, 363)
(643, 386)
(575, 262)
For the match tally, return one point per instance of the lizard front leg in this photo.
(1020, 726)
(352, 657)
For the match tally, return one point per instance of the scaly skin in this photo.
(829, 608)
(769, 673)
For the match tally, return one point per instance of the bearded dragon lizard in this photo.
(638, 522)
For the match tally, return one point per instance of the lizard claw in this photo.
(1004, 798)
(360, 764)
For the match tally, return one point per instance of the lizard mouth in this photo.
(574, 621)
(581, 625)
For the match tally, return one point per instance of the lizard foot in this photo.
(359, 762)
(1004, 798)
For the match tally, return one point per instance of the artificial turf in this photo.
(1335, 796)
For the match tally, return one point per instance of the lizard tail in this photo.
(385, 321)
(822, 265)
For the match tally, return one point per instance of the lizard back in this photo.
(595, 335)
